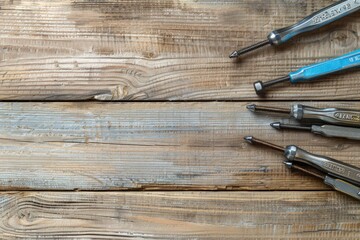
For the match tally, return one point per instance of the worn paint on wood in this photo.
(162, 50)
(180, 215)
(102, 146)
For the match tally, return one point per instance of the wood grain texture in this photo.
(149, 146)
(179, 215)
(162, 50)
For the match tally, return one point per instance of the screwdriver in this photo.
(341, 176)
(333, 182)
(316, 20)
(344, 117)
(311, 72)
(324, 130)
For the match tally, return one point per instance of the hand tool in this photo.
(316, 20)
(335, 183)
(324, 130)
(307, 73)
(341, 176)
(345, 117)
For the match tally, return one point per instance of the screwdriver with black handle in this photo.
(341, 176)
(342, 117)
(334, 182)
(324, 130)
(316, 20)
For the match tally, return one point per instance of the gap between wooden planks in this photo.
(180, 215)
(163, 50)
(153, 146)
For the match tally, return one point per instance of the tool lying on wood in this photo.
(340, 176)
(344, 117)
(311, 72)
(324, 130)
(316, 20)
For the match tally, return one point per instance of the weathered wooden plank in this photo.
(180, 215)
(108, 146)
(162, 50)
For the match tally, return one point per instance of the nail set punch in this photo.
(328, 122)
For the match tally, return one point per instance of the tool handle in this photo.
(336, 131)
(347, 61)
(316, 20)
(344, 117)
(327, 165)
(343, 186)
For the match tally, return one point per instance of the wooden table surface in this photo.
(125, 119)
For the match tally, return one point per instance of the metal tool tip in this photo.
(259, 87)
(240, 52)
(234, 54)
(251, 107)
(288, 164)
(249, 139)
(276, 125)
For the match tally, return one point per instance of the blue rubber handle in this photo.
(316, 70)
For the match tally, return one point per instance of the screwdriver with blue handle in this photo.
(314, 71)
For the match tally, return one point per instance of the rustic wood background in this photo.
(125, 119)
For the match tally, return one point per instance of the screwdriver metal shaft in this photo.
(316, 20)
(253, 140)
(237, 53)
(256, 108)
(305, 169)
(279, 126)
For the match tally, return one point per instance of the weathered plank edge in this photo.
(164, 215)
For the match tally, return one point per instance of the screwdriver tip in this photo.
(251, 107)
(234, 54)
(249, 139)
(276, 125)
(288, 164)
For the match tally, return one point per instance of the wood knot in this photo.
(118, 93)
(149, 55)
(343, 38)
(24, 216)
